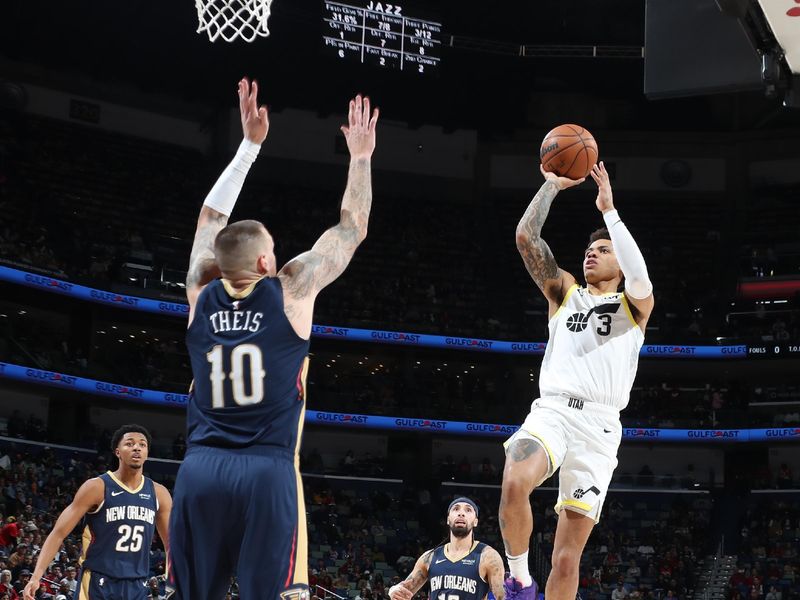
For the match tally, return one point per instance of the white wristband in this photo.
(222, 197)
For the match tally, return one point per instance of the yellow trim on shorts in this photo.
(301, 549)
(571, 289)
(86, 578)
(86, 541)
(542, 443)
(573, 503)
(628, 311)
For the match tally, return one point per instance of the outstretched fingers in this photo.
(244, 94)
(374, 120)
(351, 115)
(365, 113)
(253, 100)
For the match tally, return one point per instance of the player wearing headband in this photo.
(589, 366)
(461, 569)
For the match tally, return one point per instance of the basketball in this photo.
(569, 151)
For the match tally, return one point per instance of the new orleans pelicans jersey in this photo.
(593, 351)
(118, 534)
(457, 580)
(249, 369)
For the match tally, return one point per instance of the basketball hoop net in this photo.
(232, 19)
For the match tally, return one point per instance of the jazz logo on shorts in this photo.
(579, 321)
(580, 492)
(296, 594)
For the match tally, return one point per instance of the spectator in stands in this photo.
(773, 594)
(488, 472)
(70, 580)
(633, 572)
(9, 533)
(153, 590)
(784, 478)
(619, 592)
(5, 585)
(22, 581)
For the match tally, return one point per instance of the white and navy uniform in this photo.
(585, 381)
(115, 558)
(457, 579)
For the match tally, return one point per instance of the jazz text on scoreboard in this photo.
(380, 34)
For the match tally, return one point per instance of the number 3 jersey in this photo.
(593, 350)
(118, 534)
(249, 368)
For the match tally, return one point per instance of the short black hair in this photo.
(599, 234)
(130, 428)
(602, 234)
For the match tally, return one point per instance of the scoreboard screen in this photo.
(774, 351)
(381, 34)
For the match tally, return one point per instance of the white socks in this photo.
(518, 565)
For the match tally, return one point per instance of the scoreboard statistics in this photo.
(381, 34)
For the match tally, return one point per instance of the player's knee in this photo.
(516, 486)
(566, 562)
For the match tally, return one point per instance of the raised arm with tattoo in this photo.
(536, 254)
(220, 201)
(304, 276)
(405, 590)
(493, 571)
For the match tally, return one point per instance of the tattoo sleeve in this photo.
(419, 575)
(201, 261)
(535, 252)
(317, 268)
(523, 449)
(493, 572)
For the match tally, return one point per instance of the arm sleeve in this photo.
(222, 197)
(637, 281)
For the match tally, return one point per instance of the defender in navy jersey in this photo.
(121, 511)
(239, 507)
(462, 569)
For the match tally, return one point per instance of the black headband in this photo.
(465, 500)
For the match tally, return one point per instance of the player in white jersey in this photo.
(596, 333)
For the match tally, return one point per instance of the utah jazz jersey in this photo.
(118, 534)
(593, 350)
(457, 580)
(249, 368)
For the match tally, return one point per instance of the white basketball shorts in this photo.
(580, 437)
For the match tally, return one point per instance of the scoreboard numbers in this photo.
(382, 35)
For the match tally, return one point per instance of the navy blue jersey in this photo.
(118, 534)
(457, 580)
(249, 369)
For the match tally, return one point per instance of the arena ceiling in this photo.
(152, 47)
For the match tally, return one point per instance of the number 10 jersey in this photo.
(249, 368)
(593, 350)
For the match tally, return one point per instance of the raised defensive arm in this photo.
(220, 201)
(304, 276)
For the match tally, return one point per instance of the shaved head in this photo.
(240, 247)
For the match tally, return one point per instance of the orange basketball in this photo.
(569, 151)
